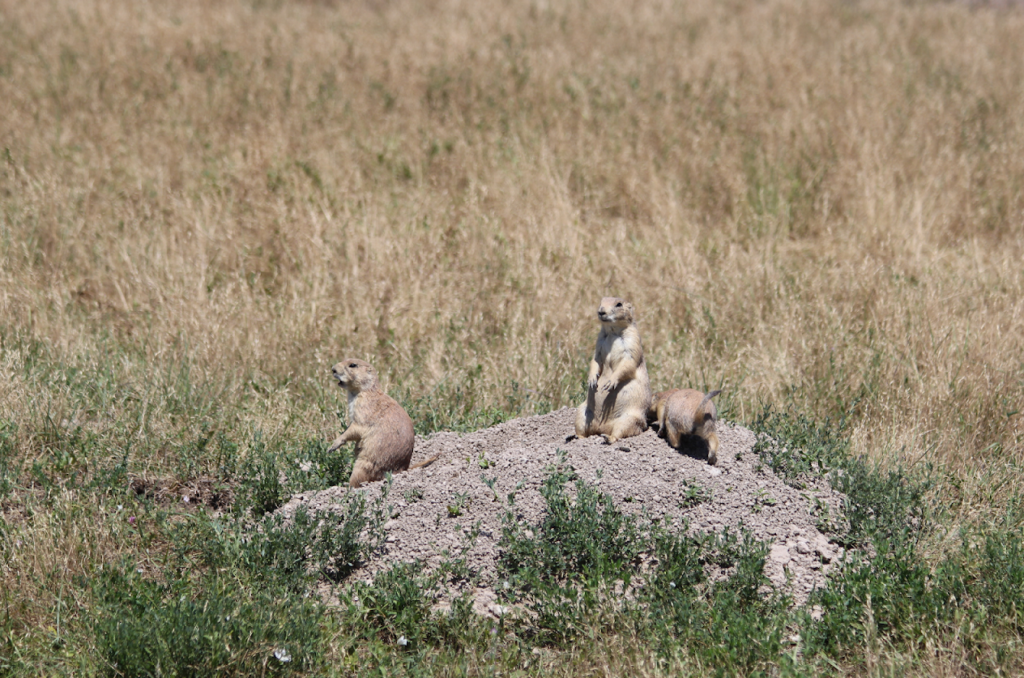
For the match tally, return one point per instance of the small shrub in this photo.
(397, 604)
(735, 625)
(582, 555)
(792, 444)
(398, 609)
(314, 468)
(260, 490)
(459, 501)
(218, 627)
(999, 585)
(290, 554)
(211, 452)
(581, 538)
(695, 495)
(884, 595)
(343, 539)
(880, 505)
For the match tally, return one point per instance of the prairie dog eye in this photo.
(618, 305)
(352, 365)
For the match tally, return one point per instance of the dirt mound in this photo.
(436, 507)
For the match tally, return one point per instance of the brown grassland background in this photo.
(814, 204)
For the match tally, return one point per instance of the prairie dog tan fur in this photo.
(380, 428)
(618, 388)
(685, 411)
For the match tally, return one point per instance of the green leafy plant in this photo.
(694, 495)
(314, 468)
(459, 501)
(181, 627)
(489, 482)
(261, 490)
(763, 498)
(572, 561)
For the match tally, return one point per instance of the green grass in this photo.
(183, 589)
(219, 624)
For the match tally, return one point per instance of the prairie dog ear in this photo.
(632, 311)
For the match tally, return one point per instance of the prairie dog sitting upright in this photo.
(685, 411)
(380, 428)
(618, 388)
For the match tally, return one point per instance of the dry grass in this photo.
(208, 203)
(788, 191)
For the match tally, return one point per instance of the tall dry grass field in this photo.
(203, 205)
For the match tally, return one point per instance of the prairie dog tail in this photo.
(428, 462)
(705, 399)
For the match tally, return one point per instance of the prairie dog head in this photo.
(355, 375)
(615, 312)
(658, 399)
(662, 396)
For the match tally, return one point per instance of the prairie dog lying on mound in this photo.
(685, 411)
(380, 428)
(618, 388)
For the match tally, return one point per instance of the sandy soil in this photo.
(639, 473)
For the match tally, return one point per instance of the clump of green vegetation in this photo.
(314, 468)
(695, 495)
(896, 596)
(577, 567)
(398, 609)
(460, 500)
(567, 567)
(792, 444)
(219, 624)
(9, 471)
(878, 503)
(580, 536)
(269, 475)
(233, 595)
(263, 490)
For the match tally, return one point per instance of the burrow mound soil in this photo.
(640, 474)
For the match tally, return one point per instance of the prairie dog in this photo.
(380, 428)
(685, 411)
(618, 388)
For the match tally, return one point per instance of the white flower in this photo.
(282, 655)
(672, 584)
(140, 570)
(185, 499)
(403, 641)
(119, 507)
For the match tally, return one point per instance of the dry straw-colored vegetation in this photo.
(204, 204)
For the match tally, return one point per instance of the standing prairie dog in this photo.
(380, 428)
(618, 388)
(685, 411)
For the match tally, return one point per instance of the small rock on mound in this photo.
(639, 473)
